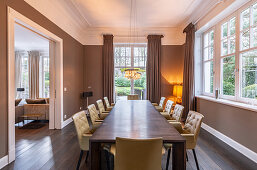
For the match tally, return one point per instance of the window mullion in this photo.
(237, 58)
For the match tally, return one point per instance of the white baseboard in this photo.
(66, 122)
(237, 146)
(11, 156)
(3, 161)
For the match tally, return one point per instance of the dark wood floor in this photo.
(59, 149)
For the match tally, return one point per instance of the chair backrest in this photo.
(193, 123)
(82, 127)
(141, 154)
(107, 102)
(177, 113)
(100, 105)
(162, 101)
(168, 106)
(94, 114)
(133, 97)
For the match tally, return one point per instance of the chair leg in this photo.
(186, 156)
(87, 156)
(168, 159)
(80, 157)
(196, 162)
(107, 159)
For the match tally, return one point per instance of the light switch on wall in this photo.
(89, 87)
(65, 89)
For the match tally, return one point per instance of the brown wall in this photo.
(93, 72)
(73, 53)
(172, 62)
(236, 123)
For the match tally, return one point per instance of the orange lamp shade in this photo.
(177, 91)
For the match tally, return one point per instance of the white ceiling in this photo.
(26, 40)
(150, 13)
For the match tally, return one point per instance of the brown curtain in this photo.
(34, 58)
(108, 67)
(153, 68)
(188, 96)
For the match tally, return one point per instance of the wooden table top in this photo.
(135, 119)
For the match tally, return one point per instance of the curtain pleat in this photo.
(153, 68)
(34, 58)
(188, 96)
(108, 67)
(18, 71)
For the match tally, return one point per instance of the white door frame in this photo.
(58, 116)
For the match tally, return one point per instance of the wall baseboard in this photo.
(3, 161)
(66, 122)
(235, 145)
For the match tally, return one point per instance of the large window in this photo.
(208, 61)
(235, 57)
(126, 57)
(24, 80)
(44, 77)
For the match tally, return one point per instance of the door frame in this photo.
(58, 60)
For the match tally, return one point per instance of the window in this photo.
(208, 61)
(235, 56)
(228, 49)
(24, 81)
(126, 57)
(44, 77)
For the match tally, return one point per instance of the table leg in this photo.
(95, 155)
(179, 156)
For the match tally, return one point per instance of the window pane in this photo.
(210, 52)
(206, 54)
(232, 45)
(245, 19)
(254, 37)
(232, 26)
(208, 77)
(206, 40)
(249, 74)
(228, 76)
(224, 47)
(211, 40)
(254, 14)
(140, 85)
(224, 30)
(245, 39)
(122, 84)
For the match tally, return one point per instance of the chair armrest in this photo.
(177, 125)
(112, 104)
(155, 104)
(103, 116)
(98, 121)
(170, 121)
(105, 112)
(189, 137)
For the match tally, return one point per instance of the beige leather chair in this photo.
(94, 117)
(190, 131)
(176, 114)
(137, 154)
(160, 106)
(167, 111)
(108, 105)
(133, 97)
(103, 113)
(83, 133)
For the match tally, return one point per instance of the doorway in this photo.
(49, 79)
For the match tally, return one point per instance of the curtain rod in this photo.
(32, 31)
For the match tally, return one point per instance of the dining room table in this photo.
(137, 119)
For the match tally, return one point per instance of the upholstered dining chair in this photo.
(141, 154)
(176, 114)
(83, 133)
(159, 106)
(168, 108)
(103, 113)
(94, 117)
(133, 97)
(190, 131)
(108, 105)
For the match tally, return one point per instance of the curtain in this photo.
(18, 70)
(34, 59)
(108, 67)
(188, 96)
(153, 68)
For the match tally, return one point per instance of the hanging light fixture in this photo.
(132, 73)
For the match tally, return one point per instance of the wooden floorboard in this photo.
(59, 149)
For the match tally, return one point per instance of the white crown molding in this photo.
(67, 18)
(172, 36)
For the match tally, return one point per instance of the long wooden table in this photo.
(137, 119)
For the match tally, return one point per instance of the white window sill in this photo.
(230, 103)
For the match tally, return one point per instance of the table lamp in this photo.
(86, 95)
(177, 92)
(20, 90)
